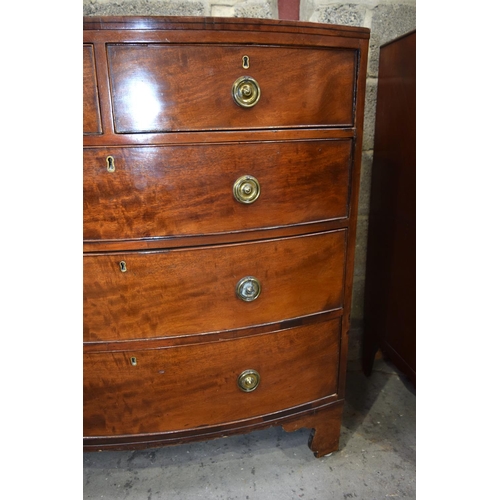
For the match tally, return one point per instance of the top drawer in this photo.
(164, 87)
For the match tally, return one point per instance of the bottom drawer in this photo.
(184, 387)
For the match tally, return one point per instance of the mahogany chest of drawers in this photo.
(221, 169)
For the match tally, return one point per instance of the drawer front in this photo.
(162, 88)
(181, 388)
(91, 113)
(183, 190)
(189, 291)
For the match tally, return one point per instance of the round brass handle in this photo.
(246, 92)
(248, 288)
(246, 189)
(248, 380)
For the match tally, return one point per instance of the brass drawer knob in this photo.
(248, 380)
(246, 92)
(246, 189)
(248, 288)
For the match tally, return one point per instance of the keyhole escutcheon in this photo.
(110, 164)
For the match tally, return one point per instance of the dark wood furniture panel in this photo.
(390, 296)
(91, 114)
(133, 28)
(220, 211)
(158, 191)
(138, 391)
(165, 87)
(190, 291)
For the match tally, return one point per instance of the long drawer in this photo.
(167, 87)
(182, 190)
(140, 295)
(180, 388)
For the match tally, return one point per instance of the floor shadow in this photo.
(362, 392)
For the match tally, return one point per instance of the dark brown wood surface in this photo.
(326, 425)
(191, 339)
(145, 24)
(179, 142)
(188, 190)
(190, 387)
(176, 138)
(191, 291)
(91, 114)
(163, 87)
(390, 292)
(323, 417)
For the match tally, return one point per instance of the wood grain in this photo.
(144, 24)
(164, 88)
(188, 190)
(190, 291)
(157, 97)
(296, 366)
(91, 113)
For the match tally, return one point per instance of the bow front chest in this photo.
(221, 168)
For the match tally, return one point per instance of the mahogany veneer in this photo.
(151, 182)
(218, 236)
(390, 290)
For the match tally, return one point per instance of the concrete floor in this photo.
(376, 458)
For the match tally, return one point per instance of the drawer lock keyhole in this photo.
(110, 164)
(123, 266)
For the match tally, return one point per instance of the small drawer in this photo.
(207, 289)
(168, 87)
(132, 193)
(91, 112)
(182, 388)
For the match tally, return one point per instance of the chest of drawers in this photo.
(221, 169)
